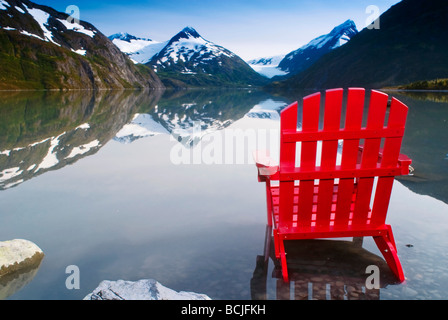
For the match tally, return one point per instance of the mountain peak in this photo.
(191, 31)
(348, 28)
(124, 36)
(187, 33)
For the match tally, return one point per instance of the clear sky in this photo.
(249, 28)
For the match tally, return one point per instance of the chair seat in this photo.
(296, 233)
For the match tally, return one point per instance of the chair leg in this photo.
(276, 244)
(269, 203)
(386, 244)
(283, 261)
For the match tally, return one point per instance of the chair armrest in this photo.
(267, 166)
(404, 162)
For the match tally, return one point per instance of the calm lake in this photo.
(156, 185)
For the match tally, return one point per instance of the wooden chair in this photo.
(326, 196)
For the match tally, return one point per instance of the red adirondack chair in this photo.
(330, 199)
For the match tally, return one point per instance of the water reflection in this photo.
(43, 131)
(14, 281)
(321, 270)
(189, 115)
(114, 198)
(426, 144)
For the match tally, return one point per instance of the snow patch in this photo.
(19, 9)
(84, 126)
(83, 149)
(77, 28)
(12, 184)
(4, 5)
(41, 18)
(80, 52)
(50, 160)
(10, 173)
(26, 33)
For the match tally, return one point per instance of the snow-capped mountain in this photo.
(190, 48)
(267, 66)
(140, 50)
(60, 52)
(190, 59)
(302, 58)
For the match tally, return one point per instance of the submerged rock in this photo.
(147, 289)
(19, 262)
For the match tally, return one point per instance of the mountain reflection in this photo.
(42, 131)
(184, 113)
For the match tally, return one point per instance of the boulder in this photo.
(19, 262)
(146, 289)
(17, 254)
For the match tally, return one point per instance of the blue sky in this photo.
(249, 28)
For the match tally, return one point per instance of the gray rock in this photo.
(19, 262)
(14, 254)
(146, 289)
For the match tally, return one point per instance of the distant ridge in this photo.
(411, 45)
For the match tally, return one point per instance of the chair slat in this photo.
(391, 151)
(332, 119)
(375, 120)
(310, 122)
(288, 122)
(353, 121)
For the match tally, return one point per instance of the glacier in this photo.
(140, 50)
(268, 67)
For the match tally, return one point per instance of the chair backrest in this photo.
(328, 189)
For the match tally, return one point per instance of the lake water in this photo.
(150, 185)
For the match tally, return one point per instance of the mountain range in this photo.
(187, 59)
(41, 48)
